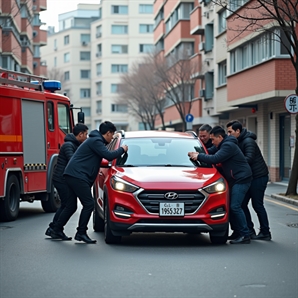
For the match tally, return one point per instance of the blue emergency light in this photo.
(52, 85)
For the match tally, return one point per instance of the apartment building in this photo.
(21, 37)
(94, 46)
(245, 78)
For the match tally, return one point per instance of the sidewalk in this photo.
(273, 190)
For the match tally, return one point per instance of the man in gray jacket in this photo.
(253, 155)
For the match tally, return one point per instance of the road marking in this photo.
(281, 204)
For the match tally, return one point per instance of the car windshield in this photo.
(160, 152)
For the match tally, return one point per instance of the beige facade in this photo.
(120, 33)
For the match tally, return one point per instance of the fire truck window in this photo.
(63, 118)
(50, 116)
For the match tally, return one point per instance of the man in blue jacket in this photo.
(237, 172)
(249, 147)
(82, 169)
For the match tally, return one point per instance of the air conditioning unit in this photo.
(99, 73)
(55, 48)
(34, 7)
(98, 92)
(24, 43)
(34, 64)
(84, 43)
(98, 54)
(201, 46)
(98, 34)
(98, 111)
(202, 93)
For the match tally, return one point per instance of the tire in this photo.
(98, 222)
(53, 203)
(9, 207)
(215, 239)
(109, 237)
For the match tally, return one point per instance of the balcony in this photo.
(26, 28)
(196, 67)
(42, 4)
(196, 27)
(41, 36)
(27, 58)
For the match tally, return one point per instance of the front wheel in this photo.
(53, 203)
(9, 207)
(109, 237)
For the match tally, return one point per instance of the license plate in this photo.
(171, 209)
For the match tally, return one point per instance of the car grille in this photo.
(151, 199)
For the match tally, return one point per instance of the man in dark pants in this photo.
(71, 142)
(82, 169)
(237, 173)
(204, 135)
(253, 155)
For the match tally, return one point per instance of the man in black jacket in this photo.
(253, 155)
(82, 169)
(237, 173)
(71, 142)
(204, 135)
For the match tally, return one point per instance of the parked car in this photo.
(155, 187)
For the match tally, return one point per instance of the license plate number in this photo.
(171, 209)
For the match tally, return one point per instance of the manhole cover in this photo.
(4, 227)
(292, 225)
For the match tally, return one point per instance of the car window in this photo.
(160, 152)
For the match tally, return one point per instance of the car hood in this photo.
(174, 177)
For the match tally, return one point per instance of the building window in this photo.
(209, 85)
(66, 76)
(146, 48)
(98, 88)
(222, 73)
(98, 69)
(85, 56)
(235, 4)
(98, 31)
(209, 37)
(55, 44)
(85, 93)
(66, 39)
(86, 111)
(119, 29)
(222, 21)
(119, 49)
(99, 107)
(55, 62)
(66, 57)
(118, 108)
(100, 13)
(145, 8)
(115, 88)
(119, 68)
(85, 74)
(98, 50)
(146, 28)
(119, 9)
(85, 39)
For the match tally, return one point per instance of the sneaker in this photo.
(262, 236)
(49, 231)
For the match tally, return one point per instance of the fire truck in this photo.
(34, 120)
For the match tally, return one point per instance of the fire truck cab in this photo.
(34, 121)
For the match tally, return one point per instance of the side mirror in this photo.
(81, 117)
(105, 163)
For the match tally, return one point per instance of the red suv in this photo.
(155, 187)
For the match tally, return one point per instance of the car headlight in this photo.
(217, 186)
(122, 185)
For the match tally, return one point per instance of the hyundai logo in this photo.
(171, 195)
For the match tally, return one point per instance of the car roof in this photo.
(157, 134)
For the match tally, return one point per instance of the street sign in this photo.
(189, 118)
(291, 103)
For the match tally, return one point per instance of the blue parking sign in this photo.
(189, 118)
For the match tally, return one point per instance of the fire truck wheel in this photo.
(9, 207)
(53, 203)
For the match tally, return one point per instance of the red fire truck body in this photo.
(34, 121)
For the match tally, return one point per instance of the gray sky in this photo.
(56, 7)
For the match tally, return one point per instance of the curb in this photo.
(284, 199)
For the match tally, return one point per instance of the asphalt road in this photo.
(147, 265)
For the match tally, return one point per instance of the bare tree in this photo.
(267, 16)
(174, 76)
(139, 91)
